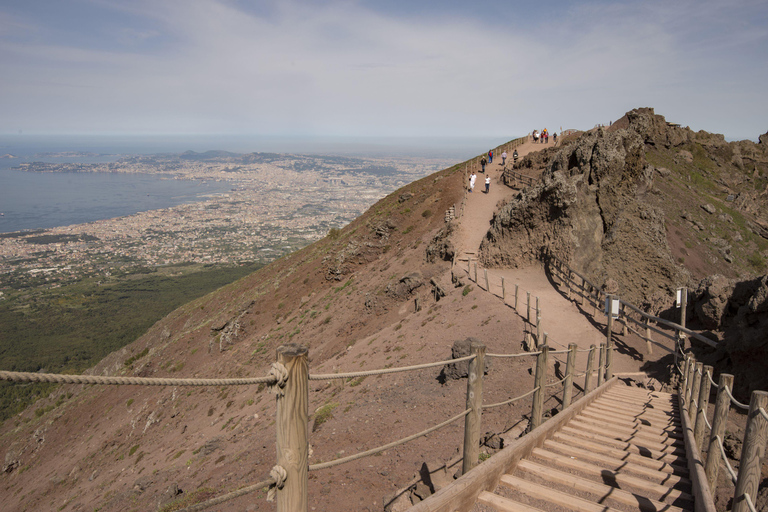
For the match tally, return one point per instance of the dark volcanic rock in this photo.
(589, 210)
(454, 371)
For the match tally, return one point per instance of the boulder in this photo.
(455, 371)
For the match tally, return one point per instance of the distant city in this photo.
(276, 204)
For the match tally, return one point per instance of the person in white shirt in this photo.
(487, 184)
(472, 179)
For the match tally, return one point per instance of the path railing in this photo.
(696, 383)
(289, 379)
(695, 387)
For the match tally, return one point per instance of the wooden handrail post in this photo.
(623, 315)
(469, 266)
(683, 305)
(719, 421)
(292, 430)
(648, 339)
(528, 300)
(601, 366)
(538, 383)
(608, 341)
(752, 451)
(570, 365)
(503, 291)
(588, 379)
(684, 376)
(689, 380)
(693, 405)
(516, 290)
(475, 272)
(472, 420)
(698, 429)
(487, 283)
(568, 277)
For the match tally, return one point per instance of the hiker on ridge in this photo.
(483, 161)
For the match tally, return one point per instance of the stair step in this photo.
(602, 491)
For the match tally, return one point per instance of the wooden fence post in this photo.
(568, 278)
(503, 291)
(689, 380)
(683, 305)
(469, 266)
(698, 429)
(528, 300)
(684, 376)
(601, 366)
(648, 343)
(472, 420)
(719, 421)
(516, 289)
(609, 340)
(539, 383)
(752, 451)
(292, 430)
(693, 405)
(570, 366)
(487, 283)
(476, 273)
(623, 315)
(588, 379)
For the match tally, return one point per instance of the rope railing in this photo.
(694, 393)
(511, 400)
(373, 451)
(521, 354)
(352, 375)
(728, 466)
(552, 384)
(229, 496)
(132, 381)
(736, 402)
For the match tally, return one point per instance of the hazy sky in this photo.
(396, 67)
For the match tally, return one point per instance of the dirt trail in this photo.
(562, 319)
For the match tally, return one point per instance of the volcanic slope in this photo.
(351, 299)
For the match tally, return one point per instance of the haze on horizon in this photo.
(373, 68)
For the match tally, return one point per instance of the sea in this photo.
(31, 200)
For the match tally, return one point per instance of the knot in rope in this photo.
(279, 475)
(280, 374)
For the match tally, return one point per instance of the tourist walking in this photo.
(487, 184)
(503, 158)
(472, 178)
(514, 158)
(554, 138)
(490, 156)
(483, 161)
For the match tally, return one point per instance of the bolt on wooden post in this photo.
(752, 451)
(472, 420)
(292, 430)
(719, 421)
(539, 381)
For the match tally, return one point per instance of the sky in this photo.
(404, 68)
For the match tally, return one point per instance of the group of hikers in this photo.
(543, 136)
(485, 161)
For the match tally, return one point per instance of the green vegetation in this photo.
(466, 291)
(189, 499)
(323, 414)
(70, 328)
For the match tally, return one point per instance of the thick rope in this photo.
(763, 413)
(736, 402)
(748, 499)
(228, 496)
(136, 381)
(556, 383)
(523, 354)
(491, 406)
(712, 382)
(280, 374)
(559, 351)
(373, 451)
(331, 376)
(706, 422)
(278, 474)
(725, 459)
(579, 374)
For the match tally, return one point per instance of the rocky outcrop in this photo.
(588, 209)
(739, 309)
